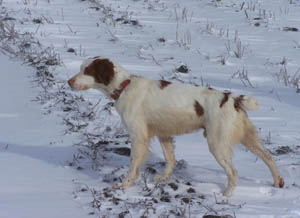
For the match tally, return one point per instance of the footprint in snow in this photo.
(268, 191)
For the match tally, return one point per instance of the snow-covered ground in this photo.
(35, 178)
(248, 47)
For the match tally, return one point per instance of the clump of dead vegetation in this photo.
(286, 78)
(238, 50)
(24, 46)
(176, 198)
(183, 68)
(127, 20)
(242, 75)
(290, 29)
(284, 149)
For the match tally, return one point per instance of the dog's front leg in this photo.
(168, 149)
(139, 151)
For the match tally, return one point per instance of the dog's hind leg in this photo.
(168, 150)
(252, 142)
(224, 159)
(222, 151)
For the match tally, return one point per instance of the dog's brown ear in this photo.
(102, 70)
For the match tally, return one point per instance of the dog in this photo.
(160, 108)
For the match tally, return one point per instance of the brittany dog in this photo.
(160, 108)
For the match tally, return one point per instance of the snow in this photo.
(35, 150)
(22, 120)
(35, 180)
(35, 188)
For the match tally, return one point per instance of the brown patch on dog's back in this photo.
(198, 108)
(163, 84)
(238, 102)
(102, 70)
(225, 98)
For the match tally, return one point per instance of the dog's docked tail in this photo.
(245, 103)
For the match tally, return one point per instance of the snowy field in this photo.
(61, 150)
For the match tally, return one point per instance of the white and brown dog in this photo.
(151, 108)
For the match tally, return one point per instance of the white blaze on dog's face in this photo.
(94, 73)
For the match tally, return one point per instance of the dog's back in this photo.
(174, 109)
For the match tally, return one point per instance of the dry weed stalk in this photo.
(243, 76)
(289, 81)
(240, 49)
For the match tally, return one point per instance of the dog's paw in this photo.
(228, 193)
(123, 186)
(161, 178)
(279, 183)
(117, 185)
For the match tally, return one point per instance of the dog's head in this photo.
(94, 73)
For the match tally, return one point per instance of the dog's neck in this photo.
(117, 92)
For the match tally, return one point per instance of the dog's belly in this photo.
(168, 123)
